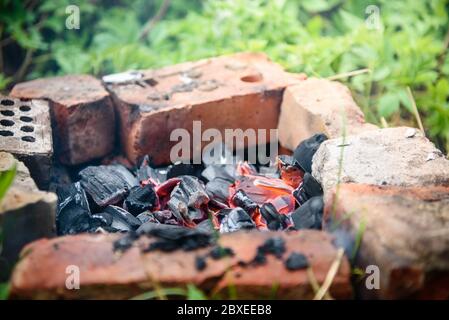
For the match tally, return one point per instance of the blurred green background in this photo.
(408, 48)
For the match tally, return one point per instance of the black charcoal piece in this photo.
(218, 189)
(73, 212)
(219, 252)
(122, 219)
(275, 220)
(206, 226)
(309, 215)
(274, 246)
(241, 199)
(170, 237)
(309, 188)
(165, 216)
(102, 218)
(235, 219)
(222, 171)
(146, 172)
(306, 149)
(147, 217)
(200, 263)
(125, 242)
(183, 169)
(107, 184)
(141, 199)
(188, 194)
(296, 261)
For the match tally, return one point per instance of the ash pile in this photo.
(208, 197)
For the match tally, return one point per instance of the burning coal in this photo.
(208, 198)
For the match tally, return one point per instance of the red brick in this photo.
(318, 106)
(82, 113)
(237, 91)
(41, 273)
(406, 234)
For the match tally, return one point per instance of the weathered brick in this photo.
(25, 131)
(405, 233)
(41, 273)
(239, 91)
(318, 106)
(26, 214)
(82, 113)
(393, 156)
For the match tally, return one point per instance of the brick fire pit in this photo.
(112, 147)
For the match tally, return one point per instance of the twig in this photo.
(152, 22)
(383, 122)
(415, 110)
(314, 283)
(348, 74)
(330, 276)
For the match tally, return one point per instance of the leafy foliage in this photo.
(321, 38)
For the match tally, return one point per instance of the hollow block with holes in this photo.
(25, 131)
(82, 113)
(239, 91)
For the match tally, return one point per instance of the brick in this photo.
(392, 156)
(318, 106)
(238, 91)
(26, 214)
(82, 114)
(406, 234)
(25, 131)
(41, 273)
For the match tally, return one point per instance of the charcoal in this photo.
(241, 199)
(306, 149)
(141, 199)
(289, 171)
(165, 217)
(107, 184)
(103, 218)
(206, 226)
(275, 220)
(146, 172)
(147, 217)
(235, 219)
(183, 169)
(189, 194)
(309, 188)
(274, 246)
(216, 204)
(73, 208)
(125, 242)
(309, 215)
(170, 237)
(219, 252)
(296, 261)
(223, 171)
(218, 189)
(200, 263)
(122, 219)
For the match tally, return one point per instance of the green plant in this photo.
(321, 38)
